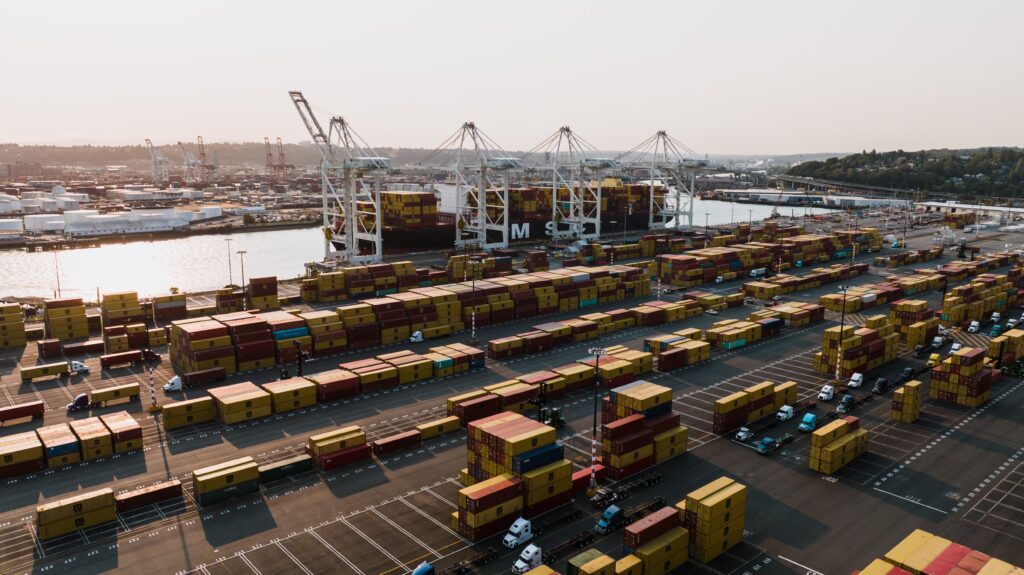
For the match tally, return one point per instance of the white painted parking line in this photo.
(908, 499)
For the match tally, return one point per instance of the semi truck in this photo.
(605, 496)
(615, 517)
(534, 556)
(102, 397)
(196, 379)
(524, 530)
(131, 357)
(58, 370)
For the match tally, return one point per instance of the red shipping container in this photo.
(545, 505)
(254, 350)
(33, 409)
(632, 442)
(252, 336)
(852, 421)
(495, 495)
(147, 495)
(396, 442)
(344, 457)
(662, 423)
(623, 427)
(581, 478)
(215, 353)
(646, 529)
(23, 468)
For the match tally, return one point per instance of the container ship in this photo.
(415, 219)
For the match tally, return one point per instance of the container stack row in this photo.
(793, 314)
(862, 297)
(63, 443)
(170, 307)
(957, 220)
(923, 280)
(639, 429)
(977, 300)
(714, 516)
(121, 308)
(1007, 347)
(339, 447)
(73, 513)
(837, 443)
(784, 283)
(261, 293)
(906, 402)
(241, 402)
(408, 209)
(963, 378)
(12, 325)
(753, 403)
(65, 319)
(960, 270)
(515, 467)
(912, 319)
(863, 349)
(224, 481)
(188, 412)
(922, 553)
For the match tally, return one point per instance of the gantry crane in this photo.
(208, 170)
(351, 207)
(676, 165)
(570, 160)
(283, 167)
(269, 159)
(192, 171)
(481, 205)
(161, 165)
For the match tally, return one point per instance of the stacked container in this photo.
(590, 562)
(639, 429)
(753, 403)
(224, 481)
(906, 402)
(94, 439)
(977, 300)
(290, 394)
(340, 447)
(912, 319)
(922, 553)
(714, 516)
(254, 346)
(863, 348)
(60, 445)
(489, 506)
(241, 402)
(228, 300)
(73, 513)
(171, 307)
(65, 319)
(262, 293)
(12, 325)
(963, 378)
(121, 308)
(1008, 347)
(837, 443)
(125, 432)
(188, 412)
(21, 453)
(330, 287)
(327, 330)
(201, 343)
(335, 384)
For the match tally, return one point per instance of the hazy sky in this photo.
(721, 76)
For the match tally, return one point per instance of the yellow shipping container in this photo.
(74, 505)
(510, 508)
(438, 427)
(87, 519)
(331, 441)
(629, 565)
(219, 476)
(542, 476)
(20, 447)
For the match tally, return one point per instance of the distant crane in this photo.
(351, 205)
(208, 170)
(270, 166)
(192, 171)
(277, 169)
(161, 165)
(282, 163)
(662, 155)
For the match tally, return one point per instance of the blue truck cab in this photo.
(808, 423)
(610, 520)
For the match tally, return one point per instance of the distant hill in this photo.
(983, 171)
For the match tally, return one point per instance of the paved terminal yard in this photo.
(955, 472)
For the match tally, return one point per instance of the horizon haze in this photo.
(726, 78)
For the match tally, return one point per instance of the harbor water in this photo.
(199, 263)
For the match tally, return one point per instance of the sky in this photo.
(724, 77)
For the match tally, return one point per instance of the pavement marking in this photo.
(909, 499)
(809, 570)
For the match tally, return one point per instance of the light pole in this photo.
(732, 212)
(231, 276)
(706, 236)
(842, 325)
(241, 258)
(598, 353)
(56, 269)
(472, 318)
(626, 212)
(750, 217)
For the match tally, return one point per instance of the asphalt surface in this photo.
(955, 472)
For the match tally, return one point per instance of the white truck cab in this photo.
(520, 532)
(530, 557)
(78, 367)
(974, 327)
(856, 380)
(996, 316)
(173, 384)
(785, 413)
(827, 393)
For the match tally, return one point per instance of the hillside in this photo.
(984, 171)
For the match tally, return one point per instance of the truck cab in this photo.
(173, 384)
(974, 327)
(808, 423)
(996, 317)
(846, 404)
(520, 532)
(996, 330)
(610, 520)
(938, 341)
(77, 367)
(530, 558)
(785, 413)
(827, 393)
(856, 380)
(881, 386)
(933, 360)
